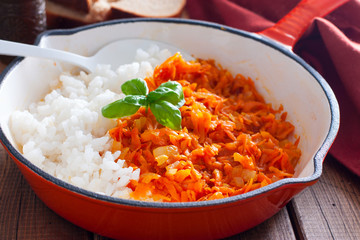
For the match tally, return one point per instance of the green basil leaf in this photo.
(137, 100)
(166, 114)
(162, 93)
(164, 102)
(136, 86)
(174, 95)
(174, 86)
(118, 109)
(177, 88)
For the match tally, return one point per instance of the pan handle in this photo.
(291, 27)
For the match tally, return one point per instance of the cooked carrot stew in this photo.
(231, 141)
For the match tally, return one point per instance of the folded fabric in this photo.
(330, 45)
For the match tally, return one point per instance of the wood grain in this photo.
(10, 197)
(331, 208)
(23, 215)
(327, 210)
(277, 227)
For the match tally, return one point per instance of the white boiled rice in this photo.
(65, 134)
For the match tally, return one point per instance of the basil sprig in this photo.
(164, 102)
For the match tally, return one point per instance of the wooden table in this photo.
(330, 209)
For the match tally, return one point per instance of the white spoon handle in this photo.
(25, 50)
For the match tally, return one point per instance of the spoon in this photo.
(115, 53)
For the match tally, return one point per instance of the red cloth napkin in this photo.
(330, 45)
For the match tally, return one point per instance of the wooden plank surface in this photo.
(331, 208)
(327, 210)
(24, 216)
(277, 227)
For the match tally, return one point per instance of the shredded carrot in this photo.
(231, 141)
